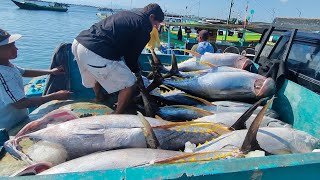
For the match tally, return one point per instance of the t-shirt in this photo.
(124, 34)
(204, 47)
(11, 91)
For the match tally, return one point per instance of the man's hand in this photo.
(61, 95)
(57, 71)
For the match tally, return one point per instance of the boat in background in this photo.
(41, 6)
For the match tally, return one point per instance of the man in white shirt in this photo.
(13, 102)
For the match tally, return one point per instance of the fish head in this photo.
(264, 87)
(243, 62)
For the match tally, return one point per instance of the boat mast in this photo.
(231, 5)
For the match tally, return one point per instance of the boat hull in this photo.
(30, 6)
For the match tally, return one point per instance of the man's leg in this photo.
(124, 99)
(98, 92)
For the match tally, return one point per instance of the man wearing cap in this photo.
(13, 102)
(100, 50)
(203, 46)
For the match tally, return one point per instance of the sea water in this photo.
(43, 31)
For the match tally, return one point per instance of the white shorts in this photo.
(113, 76)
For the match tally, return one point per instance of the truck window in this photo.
(305, 59)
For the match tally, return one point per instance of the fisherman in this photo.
(13, 102)
(100, 50)
(203, 46)
(154, 39)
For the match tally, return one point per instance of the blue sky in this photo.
(265, 10)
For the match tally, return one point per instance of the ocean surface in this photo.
(43, 31)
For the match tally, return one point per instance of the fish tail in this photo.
(250, 142)
(12, 147)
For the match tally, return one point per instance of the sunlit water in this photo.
(43, 31)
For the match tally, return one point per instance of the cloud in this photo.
(284, 1)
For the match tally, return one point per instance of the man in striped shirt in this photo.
(13, 103)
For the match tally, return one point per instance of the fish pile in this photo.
(199, 110)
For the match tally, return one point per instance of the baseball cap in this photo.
(6, 38)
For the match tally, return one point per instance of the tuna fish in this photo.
(88, 135)
(208, 67)
(122, 158)
(272, 140)
(217, 59)
(183, 113)
(242, 86)
(239, 143)
(177, 97)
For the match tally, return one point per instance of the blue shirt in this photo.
(205, 47)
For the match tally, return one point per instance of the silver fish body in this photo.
(273, 140)
(123, 158)
(227, 86)
(92, 134)
(217, 59)
(206, 71)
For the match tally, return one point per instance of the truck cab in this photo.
(303, 58)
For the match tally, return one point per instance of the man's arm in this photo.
(34, 73)
(132, 56)
(37, 101)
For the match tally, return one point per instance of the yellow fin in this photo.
(198, 110)
(165, 87)
(158, 117)
(198, 99)
(211, 127)
(208, 64)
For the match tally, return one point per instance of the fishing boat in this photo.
(297, 103)
(41, 6)
(220, 34)
(102, 16)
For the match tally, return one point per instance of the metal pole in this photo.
(199, 10)
(131, 4)
(231, 5)
(169, 47)
(299, 12)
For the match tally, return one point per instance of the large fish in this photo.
(87, 135)
(176, 71)
(237, 144)
(80, 109)
(177, 97)
(183, 113)
(217, 59)
(271, 140)
(227, 86)
(115, 159)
